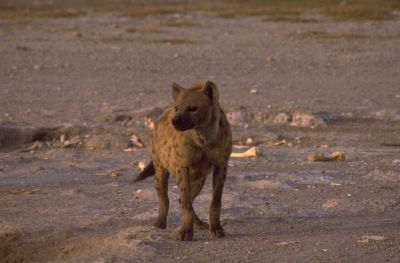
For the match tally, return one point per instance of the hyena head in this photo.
(194, 106)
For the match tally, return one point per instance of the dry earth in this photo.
(73, 91)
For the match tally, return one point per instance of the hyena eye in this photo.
(192, 108)
(176, 108)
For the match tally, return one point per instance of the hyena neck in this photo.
(207, 133)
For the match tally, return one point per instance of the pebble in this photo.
(236, 118)
(282, 118)
(301, 119)
(253, 91)
(77, 34)
(62, 138)
(249, 141)
(141, 166)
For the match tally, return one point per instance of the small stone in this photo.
(115, 174)
(331, 203)
(249, 141)
(259, 117)
(77, 34)
(141, 166)
(22, 48)
(282, 118)
(301, 119)
(72, 142)
(286, 243)
(253, 91)
(107, 142)
(236, 118)
(136, 141)
(37, 67)
(149, 123)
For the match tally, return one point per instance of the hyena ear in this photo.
(176, 90)
(211, 91)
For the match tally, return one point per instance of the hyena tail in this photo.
(147, 172)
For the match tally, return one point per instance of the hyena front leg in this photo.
(196, 188)
(161, 185)
(185, 232)
(219, 176)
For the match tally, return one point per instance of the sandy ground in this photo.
(73, 91)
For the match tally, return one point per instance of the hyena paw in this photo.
(201, 225)
(217, 232)
(184, 234)
(160, 224)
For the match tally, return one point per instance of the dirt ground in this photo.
(73, 90)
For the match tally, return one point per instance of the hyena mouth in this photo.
(182, 122)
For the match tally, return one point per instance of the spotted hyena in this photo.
(189, 140)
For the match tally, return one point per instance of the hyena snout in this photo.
(182, 122)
